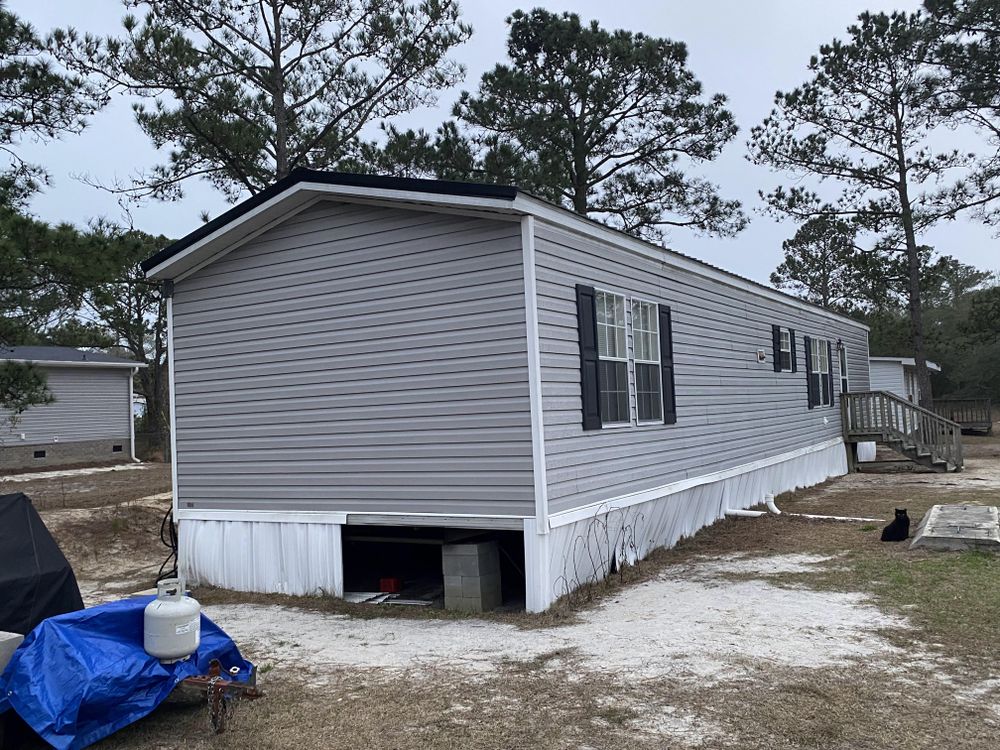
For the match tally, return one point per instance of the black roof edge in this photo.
(413, 184)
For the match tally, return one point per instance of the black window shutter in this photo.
(776, 346)
(667, 366)
(586, 316)
(795, 357)
(811, 384)
(829, 374)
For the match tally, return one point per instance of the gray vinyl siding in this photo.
(731, 409)
(91, 403)
(888, 376)
(360, 359)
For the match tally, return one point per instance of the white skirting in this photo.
(587, 550)
(264, 556)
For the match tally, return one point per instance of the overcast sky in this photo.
(745, 50)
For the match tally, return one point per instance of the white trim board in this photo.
(172, 392)
(271, 516)
(374, 518)
(591, 510)
(534, 376)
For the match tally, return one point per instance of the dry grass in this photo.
(93, 490)
(545, 703)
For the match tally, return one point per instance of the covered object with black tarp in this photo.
(36, 580)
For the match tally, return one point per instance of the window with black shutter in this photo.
(605, 359)
(820, 379)
(783, 344)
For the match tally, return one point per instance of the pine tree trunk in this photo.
(281, 167)
(924, 396)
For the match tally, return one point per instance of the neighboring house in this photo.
(897, 375)
(435, 360)
(90, 418)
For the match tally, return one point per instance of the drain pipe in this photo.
(775, 510)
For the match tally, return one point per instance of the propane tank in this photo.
(171, 623)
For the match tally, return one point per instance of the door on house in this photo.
(910, 379)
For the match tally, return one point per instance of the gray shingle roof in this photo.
(63, 354)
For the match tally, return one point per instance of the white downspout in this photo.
(131, 414)
(769, 502)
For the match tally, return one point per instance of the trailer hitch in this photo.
(221, 693)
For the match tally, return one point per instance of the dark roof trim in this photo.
(411, 184)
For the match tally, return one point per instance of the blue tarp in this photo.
(79, 677)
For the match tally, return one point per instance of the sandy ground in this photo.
(107, 522)
(689, 622)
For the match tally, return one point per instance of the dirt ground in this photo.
(776, 632)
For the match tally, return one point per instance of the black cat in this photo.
(899, 529)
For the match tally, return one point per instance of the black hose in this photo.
(168, 535)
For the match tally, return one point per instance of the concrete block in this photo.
(466, 604)
(8, 645)
(452, 587)
(463, 549)
(472, 576)
(460, 565)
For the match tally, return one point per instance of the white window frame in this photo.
(785, 336)
(598, 299)
(819, 351)
(636, 361)
(845, 380)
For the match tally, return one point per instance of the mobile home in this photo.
(89, 419)
(897, 375)
(405, 358)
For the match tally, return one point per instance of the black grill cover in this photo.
(36, 580)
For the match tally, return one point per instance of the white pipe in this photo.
(774, 509)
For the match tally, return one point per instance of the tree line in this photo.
(612, 124)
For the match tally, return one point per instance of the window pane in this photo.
(786, 360)
(647, 391)
(611, 325)
(614, 392)
(645, 331)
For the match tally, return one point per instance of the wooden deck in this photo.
(974, 414)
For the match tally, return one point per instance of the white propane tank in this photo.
(171, 623)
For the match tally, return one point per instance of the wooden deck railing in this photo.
(971, 413)
(884, 417)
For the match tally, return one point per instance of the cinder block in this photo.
(460, 565)
(8, 645)
(463, 549)
(452, 587)
(466, 604)
(472, 576)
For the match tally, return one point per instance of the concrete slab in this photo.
(959, 527)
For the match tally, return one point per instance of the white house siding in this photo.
(888, 376)
(91, 403)
(357, 359)
(731, 409)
